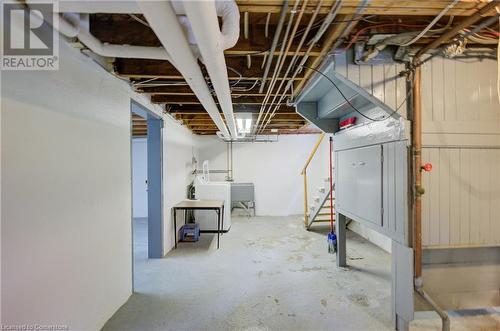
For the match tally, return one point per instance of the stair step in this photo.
(322, 220)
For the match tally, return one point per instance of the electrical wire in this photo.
(433, 22)
(245, 89)
(356, 109)
(299, 33)
(360, 31)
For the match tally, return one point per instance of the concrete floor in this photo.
(269, 274)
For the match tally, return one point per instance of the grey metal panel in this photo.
(359, 183)
(463, 255)
(375, 193)
(371, 134)
(395, 191)
(335, 97)
(402, 281)
(242, 192)
(308, 110)
(341, 230)
(155, 197)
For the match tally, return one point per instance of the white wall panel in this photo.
(461, 136)
(139, 177)
(274, 168)
(461, 204)
(66, 167)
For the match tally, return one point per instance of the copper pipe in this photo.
(417, 161)
(417, 194)
(456, 29)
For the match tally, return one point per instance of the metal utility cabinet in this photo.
(371, 172)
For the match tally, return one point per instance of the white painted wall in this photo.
(66, 165)
(139, 177)
(274, 168)
(66, 238)
(178, 151)
(461, 138)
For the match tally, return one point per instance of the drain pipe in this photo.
(212, 43)
(417, 203)
(163, 20)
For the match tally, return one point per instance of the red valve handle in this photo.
(427, 167)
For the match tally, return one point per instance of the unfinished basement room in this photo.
(250, 165)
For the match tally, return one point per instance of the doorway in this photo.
(147, 188)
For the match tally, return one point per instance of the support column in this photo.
(155, 206)
(341, 231)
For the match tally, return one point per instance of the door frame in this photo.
(155, 181)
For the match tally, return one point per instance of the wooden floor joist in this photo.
(165, 85)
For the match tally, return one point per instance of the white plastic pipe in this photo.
(224, 9)
(163, 20)
(97, 6)
(72, 25)
(120, 51)
(211, 42)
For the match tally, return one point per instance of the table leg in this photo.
(222, 227)
(218, 228)
(175, 227)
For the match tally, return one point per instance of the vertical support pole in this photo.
(341, 231)
(306, 217)
(417, 204)
(232, 165)
(155, 206)
(417, 171)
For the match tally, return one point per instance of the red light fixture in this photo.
(347, 122)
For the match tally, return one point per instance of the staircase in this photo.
(319, 211)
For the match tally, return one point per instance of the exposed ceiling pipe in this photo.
(74, 25)
(118, 51)
(291, 65)
(97, 6)
(203, 18)
(163, 20)
(281, 56)
(226, 9)
(276, 37)
(456, 29)
(329, 19)
(431, 24)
